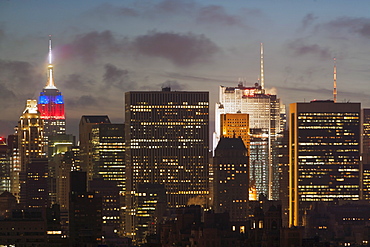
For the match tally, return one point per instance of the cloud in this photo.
(92, 45)
(19, 78)
(82, 101)
(106, 10)
(360, 26)
(192, 77)
(181, 49)
(299, 48)
(115, 77)
(308, 20)
(217, 15)
(174, 6)
(77, 82)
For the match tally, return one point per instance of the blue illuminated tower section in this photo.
(51, 105)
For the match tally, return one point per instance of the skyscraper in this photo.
(30, 135)
(365, 186)
(264, 126)
(324, 148)
(4, 166)
(85, 132)
(103, 149)
(231, 178)
(166, 143)
(265, 123)
(235, 125)
(51, 105)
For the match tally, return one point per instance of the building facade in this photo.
(265, 124)
(231, 178)
(166, 143)
(324, 148)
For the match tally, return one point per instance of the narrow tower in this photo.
(51, 104)
(335, 81)
(262, 72)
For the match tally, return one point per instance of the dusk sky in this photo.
(104, 48)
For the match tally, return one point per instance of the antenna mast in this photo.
(50, 83)
(335, 81)
(262, 78)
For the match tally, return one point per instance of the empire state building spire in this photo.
(50, 83)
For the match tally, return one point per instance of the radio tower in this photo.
(335, 82)
(262, 74)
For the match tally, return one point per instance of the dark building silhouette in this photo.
(366, 154)
(111, 204)
(5, 165)
(284, 175)
(34, 191)
(85, 213)
(231, 178)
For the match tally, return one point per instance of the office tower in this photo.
(235, 125)
(103, 149)
(365, 154)
(265, 123)
(324, 148)
(110, 195)
(231, 178)
(151, 204)
(166, 143)
(34, 189)
(51, 105)
(85, 213)
(86, 146)
(59, 169)
(4, 166)
(284, 176)
(15, 165)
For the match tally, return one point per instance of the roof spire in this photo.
(50, 83)
(262, 78)
(335, 81)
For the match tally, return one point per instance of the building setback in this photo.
(324, 143)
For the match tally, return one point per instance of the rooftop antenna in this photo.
(262, 73)
(335, 81)
(50, 83)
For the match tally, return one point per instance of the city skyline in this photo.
(111, 47)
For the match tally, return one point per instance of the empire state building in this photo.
(51, 105)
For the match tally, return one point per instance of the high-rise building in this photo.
(103, 149)
(85, 213)
(166, 143)
(231, 178)
(86, 145)
(151, 204)
(324, 148)
(4, 166)
(34, 189)
(265, 124)
(365, 186)
(15, 165)
(30, 135)
(235, 125)
(51, 105)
